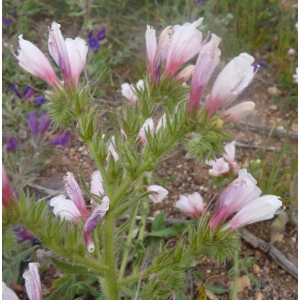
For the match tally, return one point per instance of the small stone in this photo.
(293, 239)
(256, 269)
(274, 265)
(280, 128)
(208, 271)
(273, 107)
(176, 183)
(80, 149)
(266, 270)
(258, 254)
(53, 171)
(258, 296)
(274, 91)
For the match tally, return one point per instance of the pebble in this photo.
(274, 265)
(258, 254)
(80, 149)
(273, 107)
(256, 269)
(274, 91)
(266, 269)
(176, 183)
(280, 128)
(208, 271)
(258, 296)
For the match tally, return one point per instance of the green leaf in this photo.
(217, 290)
(170, 231)
(159, 222)
(74, 269)
(198, 276)
(59, 281)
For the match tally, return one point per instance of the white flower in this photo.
(161, 193)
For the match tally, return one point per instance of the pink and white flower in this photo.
(208, 59)
(128, 91)
(236, 76)
(151, 46)
(73, 209)
(74, 192)
(69, 55)
(32, 60)
(191, 204)
(33, 282)
(147, 126)
(238, 194)
(260, 209)
(161, 193)
(185, 44)
(219, 167)
(93, 221)
(7, 293)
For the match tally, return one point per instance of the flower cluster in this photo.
(226, 163)
(69, 55)
(75, 209)
(242, 197)
(177, 45)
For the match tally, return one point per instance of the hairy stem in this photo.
(111, 279)
(235, 275)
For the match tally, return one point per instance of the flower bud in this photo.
(238, 112)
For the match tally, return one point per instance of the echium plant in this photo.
(92, 242)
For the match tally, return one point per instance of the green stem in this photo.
(236, 275)
(128, 242)
(89, 263)
(142, 230)
(111, 278)
(135, 277)
(122, 190)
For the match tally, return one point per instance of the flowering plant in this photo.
(92, 241)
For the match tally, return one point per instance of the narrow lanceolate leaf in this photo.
(170, 231)
(74, 269)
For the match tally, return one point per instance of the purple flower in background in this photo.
(28, 92)
(6, 21)
(33, 123)
(11, 145)
(14, 88)
(199, 2)
(90, 34)
(22, 234)
(40, 100)
(101, 35)
(61, 140)
(44, 123)
(94, 43)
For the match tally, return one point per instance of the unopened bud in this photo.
(239, 111)
(186, 73)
